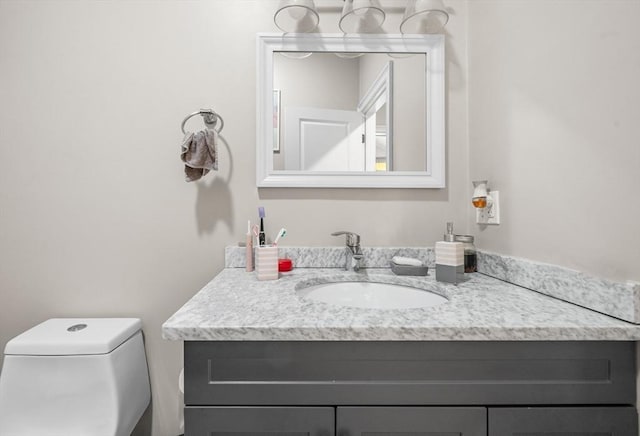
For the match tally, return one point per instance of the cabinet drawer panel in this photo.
(563, 421)
(259, 421)
(411, 421)
(409, 373)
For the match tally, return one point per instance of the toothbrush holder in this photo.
(267, 262)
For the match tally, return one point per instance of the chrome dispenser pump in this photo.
(449, 236)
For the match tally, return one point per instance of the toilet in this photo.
(74, 377)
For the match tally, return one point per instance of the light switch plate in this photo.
(491, 214)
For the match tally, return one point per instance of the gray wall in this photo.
(96, 219)
(554, 105)
(95, 216)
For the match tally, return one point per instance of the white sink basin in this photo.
(371, 295)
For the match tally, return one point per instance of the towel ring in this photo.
(210, 119)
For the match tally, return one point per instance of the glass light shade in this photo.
(296, 16)
(424, 16)
(361, 16)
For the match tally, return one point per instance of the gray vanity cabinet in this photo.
(353, 388)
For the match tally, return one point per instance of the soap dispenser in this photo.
(449, 258)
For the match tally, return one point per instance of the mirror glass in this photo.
(334, 112)
(351, 111)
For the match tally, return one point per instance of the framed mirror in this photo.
(343, 111)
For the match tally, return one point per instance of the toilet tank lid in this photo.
(73, 336)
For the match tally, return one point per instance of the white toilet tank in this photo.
(74, 377)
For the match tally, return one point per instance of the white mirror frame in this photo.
(430, 45)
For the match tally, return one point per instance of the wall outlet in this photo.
(491, 213)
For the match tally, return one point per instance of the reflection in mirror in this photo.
(342, 103)
(358, 111)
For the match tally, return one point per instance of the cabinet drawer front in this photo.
(409, 373)
(411, 421)
(559, 421)
(259, 421)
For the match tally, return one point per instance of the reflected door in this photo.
(323, 140)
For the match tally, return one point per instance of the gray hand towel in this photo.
(199, 153)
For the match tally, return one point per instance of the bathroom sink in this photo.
(371, 295)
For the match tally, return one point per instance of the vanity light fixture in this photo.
(362, 16)
(296, 16)
(424, 16)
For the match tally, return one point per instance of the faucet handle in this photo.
(353, 239)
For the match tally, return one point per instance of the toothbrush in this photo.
(281, 233)
(261, 235)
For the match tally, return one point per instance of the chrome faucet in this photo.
(354, 252)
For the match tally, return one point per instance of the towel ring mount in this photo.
(210, 119)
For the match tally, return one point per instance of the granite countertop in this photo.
(236, 306)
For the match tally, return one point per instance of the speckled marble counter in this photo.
(236, 306)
